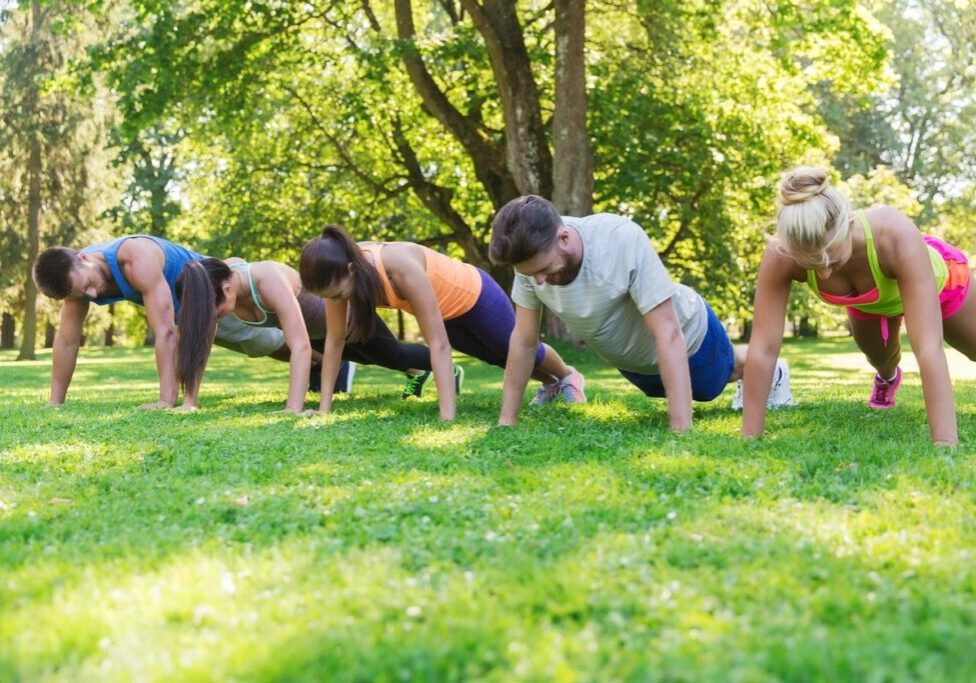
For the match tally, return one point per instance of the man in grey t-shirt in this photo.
(602, 277)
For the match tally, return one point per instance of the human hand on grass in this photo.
(185, 408)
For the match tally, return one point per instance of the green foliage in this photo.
(881, 186)
(302, 115)
(378, 544)
(921, 125)
(703, 107)
(148, 205)
(245, 126)
(42, 104)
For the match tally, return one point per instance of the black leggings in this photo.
(384, 349)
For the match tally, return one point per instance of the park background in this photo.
(243, 127)
(376, 543)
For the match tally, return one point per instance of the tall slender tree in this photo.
(35, 64)
(49, 130)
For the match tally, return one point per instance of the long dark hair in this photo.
(199, 288)
(325, 261)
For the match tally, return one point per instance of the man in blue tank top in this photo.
(141, 269)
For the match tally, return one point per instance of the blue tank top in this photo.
(174, 258)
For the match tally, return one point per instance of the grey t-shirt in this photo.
(621, 278)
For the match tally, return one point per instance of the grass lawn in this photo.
(588, 544)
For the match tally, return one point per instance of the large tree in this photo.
(417, 120)
(49, 130)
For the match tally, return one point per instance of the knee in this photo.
(885, 355)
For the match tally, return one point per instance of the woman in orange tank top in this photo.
(456, 305)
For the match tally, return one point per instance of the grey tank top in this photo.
(313, 309)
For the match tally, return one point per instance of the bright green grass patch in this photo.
(590, 543)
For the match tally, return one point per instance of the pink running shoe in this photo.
(883, 394)
(571, 387)
(569, 390)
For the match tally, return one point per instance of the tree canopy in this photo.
(243, 127)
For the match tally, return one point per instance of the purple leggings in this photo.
(484, 330)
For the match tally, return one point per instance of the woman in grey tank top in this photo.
(269, 294)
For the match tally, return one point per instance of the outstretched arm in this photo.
(911, 268)
(522, 347)
(769, 317)
(279, 295)
(336, 315)
(415, 287)
(159, 310)
(672, 359)
(66, 344)
(142, 263)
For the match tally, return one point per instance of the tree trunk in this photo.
(746, 331)
(556, 329)
(805, 327)
(486, 154)
(7, 329)
(527, 153)
(572, 171)
(110, 330)
(29, 340)
(572, 158)
(155, 176)
(49, 332)
(157, 207)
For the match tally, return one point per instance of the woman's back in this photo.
(456, 284)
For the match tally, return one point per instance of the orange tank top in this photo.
(456, 285)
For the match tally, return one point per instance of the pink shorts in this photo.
(953, 293)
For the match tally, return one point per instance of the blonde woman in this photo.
(877, 264)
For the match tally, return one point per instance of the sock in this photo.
(890, 379)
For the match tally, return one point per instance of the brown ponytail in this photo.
(199, 289)
(326, 260)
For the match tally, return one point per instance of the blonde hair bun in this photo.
(813, 214)
(802, 184)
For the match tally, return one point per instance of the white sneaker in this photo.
(737, 398)
(780, 395)
(779, 392)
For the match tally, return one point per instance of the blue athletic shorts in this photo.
(710, 366)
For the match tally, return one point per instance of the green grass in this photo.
(588, 544)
